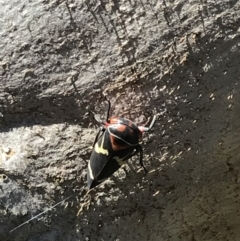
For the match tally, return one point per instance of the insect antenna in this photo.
(109, 107)
(143, 128)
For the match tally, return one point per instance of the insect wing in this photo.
(104, 161)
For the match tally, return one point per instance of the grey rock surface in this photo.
(178, 59)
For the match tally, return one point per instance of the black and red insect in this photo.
(116, 142)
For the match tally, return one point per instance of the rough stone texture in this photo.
(177, 58)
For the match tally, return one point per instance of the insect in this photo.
(116, 142)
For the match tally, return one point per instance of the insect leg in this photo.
(109, 107)
(97, 118)
(144, 128)
(141, 158)
(139, 149)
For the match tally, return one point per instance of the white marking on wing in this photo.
(100, 149)
(90, 171)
